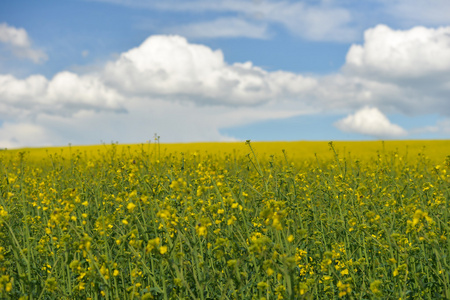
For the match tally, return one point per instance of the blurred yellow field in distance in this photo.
(435, 150)
(262, 220)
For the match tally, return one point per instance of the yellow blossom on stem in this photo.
(131, 206)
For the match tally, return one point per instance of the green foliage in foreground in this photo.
(131, 225)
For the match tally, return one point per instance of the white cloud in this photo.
(401, 54)
(221, 28)
(170, 66)
(17, 37)
(82, 92)
(66, 93)
(370, 121)
(410, 67)
(18, 42)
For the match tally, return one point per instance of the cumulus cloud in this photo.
(390, 54)
(372, 122)
(170, 66)
(414, 65)
(18, 42)
(66, 93)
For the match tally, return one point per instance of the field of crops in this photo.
(362, 220)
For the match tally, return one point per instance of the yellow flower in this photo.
(3, 213)
(152, 244)
(290, 238)
(303, 288)
(344, 272)
(344, 288)
(231, 220)
(131, 206)
(201, 230)
(276, 223)
(163, 249)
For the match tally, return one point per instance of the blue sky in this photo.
(85, 72)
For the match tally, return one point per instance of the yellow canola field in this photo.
(278, 220)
